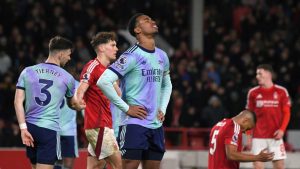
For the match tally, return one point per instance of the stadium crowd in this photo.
(207, 86)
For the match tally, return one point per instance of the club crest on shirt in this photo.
(275, 95)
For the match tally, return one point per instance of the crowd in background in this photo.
(207, 86)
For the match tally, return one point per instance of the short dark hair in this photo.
(266, 67)
(132, 23)
(59, 43)
(103, 37)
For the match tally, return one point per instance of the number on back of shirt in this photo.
(44, 91)
(213, 142)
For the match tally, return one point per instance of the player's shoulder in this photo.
(280, 88)
(91, 65)
(254, 89)
(131, 50)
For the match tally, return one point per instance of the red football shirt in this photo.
(223, 133)
(97, 112)
(268, 105)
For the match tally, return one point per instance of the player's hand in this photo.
(27, 138)
(79, 105)
(278, 134)
(160, 116)
(264, 155)
(137, 111)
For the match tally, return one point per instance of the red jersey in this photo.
(97, 112)
(223, 133)
(267, 105)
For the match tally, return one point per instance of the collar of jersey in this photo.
(146, 50)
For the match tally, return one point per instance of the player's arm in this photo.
(285, 121)
(117, 88)
(233, 154)
(166, 90)
(76, 102)
(20, 112)
(105, 83)
(82, 88)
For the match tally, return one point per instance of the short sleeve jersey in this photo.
(141, 72)
(268, 105)
(225, 132)
(68, 123)
(97, 112)
(45, 87)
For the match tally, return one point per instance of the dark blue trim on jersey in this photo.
(132, 49)
(19, 87)
(146, 50)
(52, 64)
(69, 97)
(116, 72)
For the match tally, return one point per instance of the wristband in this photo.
(23, 126)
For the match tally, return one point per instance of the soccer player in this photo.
(43, 87)
(97, 116)
(271, 103)
(146, 88)
(68, 136)
(225, 143)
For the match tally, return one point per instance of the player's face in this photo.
(263, 76)
(110, 50)
(248, 125)
(146, 25)
(65, 57)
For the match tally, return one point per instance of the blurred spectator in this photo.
(214, 112)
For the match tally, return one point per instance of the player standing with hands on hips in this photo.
(146, 87)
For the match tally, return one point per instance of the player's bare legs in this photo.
(68, 162)
(130, 164)
(278, 164)
(258, 165)
(151, 164)
(115, 160)
(33, 166)
(44, 166)
(94, 163)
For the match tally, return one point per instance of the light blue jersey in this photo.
(115, 113)
(142, 72)
(45, 87)
(68, 123)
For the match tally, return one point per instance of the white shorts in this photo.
(272, 145)
(102, 142)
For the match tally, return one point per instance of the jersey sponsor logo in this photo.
(152, 75)
(267, 103)
(160, 62)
